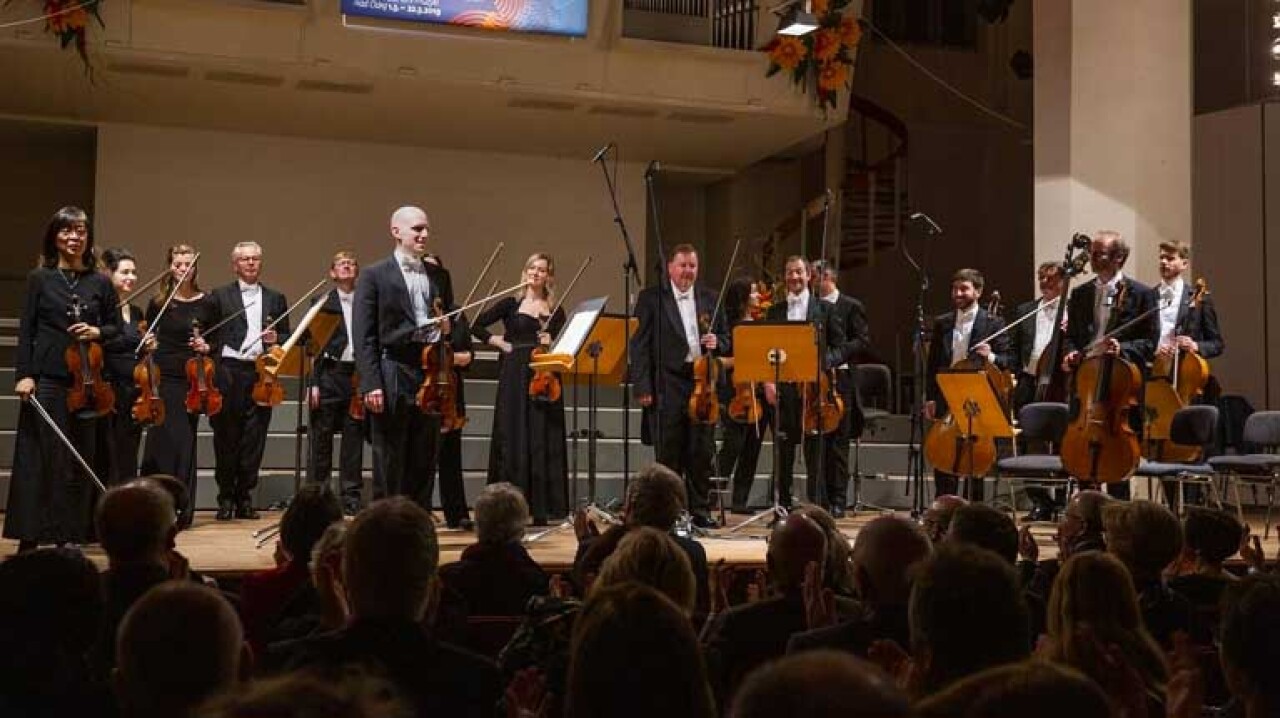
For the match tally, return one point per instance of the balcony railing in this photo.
(730, 24)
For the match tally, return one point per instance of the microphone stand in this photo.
(630, 270)
(663, 282)
(915, 444)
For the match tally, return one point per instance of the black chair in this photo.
(1042, 423)
(1191, 426)
(874, 383)
(1261, 430)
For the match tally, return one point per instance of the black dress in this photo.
(171, 446)
(119, 435)
(50, 495)
(527, 448)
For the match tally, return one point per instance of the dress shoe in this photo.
(1041, 513)
(246, 511)
(225, 511)
(465, 524)
(837, 512)
(703, 521)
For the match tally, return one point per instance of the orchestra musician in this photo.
(527, 444)
(120, 435)
(329, 396)
(802, 306)
(49, 493)
(453, 496)
(852, 317)
(1089, 313)
(240, 429)
(662, 373)
(392, 324)
(171, 445)
(739, 453)
(953, 339)
(1027, 343)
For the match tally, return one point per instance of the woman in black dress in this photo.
(50, 496)
(120, 435)
(171, 446)
(740, 449)
(527, 448)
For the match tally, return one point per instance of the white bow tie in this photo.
(686, 295)
(413, 265)
(793, 300)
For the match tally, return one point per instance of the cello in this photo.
(1177, 378)
(89, 394)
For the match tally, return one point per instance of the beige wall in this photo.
(303, 199)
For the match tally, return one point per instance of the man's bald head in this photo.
(817, 684)
(884, 555)
(937, 519)
(796, 542)
(136, 522)
(411, 228)
(178, 645)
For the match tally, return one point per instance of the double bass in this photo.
(1051, 380)
(89, 394)
(1177, 378)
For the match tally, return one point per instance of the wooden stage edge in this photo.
(229, 549)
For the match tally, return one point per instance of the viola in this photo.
(88, 393)
(355, 409)
(148, 407)
(203, 396)
(267, 389)
(438, 395)
(704, 402)
(823, 405)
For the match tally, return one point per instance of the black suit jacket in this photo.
(234, 332)
(832, 355)
(658, 368)
(384, 322)
(1200, 323)
(857, 635)
(1137, 343)
(42, 332)
(984, 325)
(333, 388)
(852, 318)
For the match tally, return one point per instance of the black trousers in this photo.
(239, 433)
(687, 449)
(405, 442)
(328, 419)
(453, 496)
(739, 455)
(171, 446)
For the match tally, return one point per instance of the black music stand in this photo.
(776, 352)
(976, 411)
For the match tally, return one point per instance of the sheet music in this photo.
(575, 333)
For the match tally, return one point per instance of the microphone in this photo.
(654, 168)
(921, 216)
(602, 152)
(1081, 241)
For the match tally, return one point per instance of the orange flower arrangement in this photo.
(823, 58)
(68, 20)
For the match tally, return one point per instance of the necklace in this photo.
(71, 283)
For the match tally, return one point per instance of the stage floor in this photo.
(229, 548)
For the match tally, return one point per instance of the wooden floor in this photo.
(230, 548)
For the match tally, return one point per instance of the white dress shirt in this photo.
(688, 308)
(1170, 296)
(960, 334)
(345, 299)
(414, 271)
(1048, 311)
(1104, 297)
(251, 347)
(798, 306)
(833, 297)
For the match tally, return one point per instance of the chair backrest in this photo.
(1043, 421)
(874, 383)
(488, 635)
(1263, 429)
(1194, 425)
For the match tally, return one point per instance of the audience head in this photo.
(819, 684)
(1212, 535)
(313, 510)
(937, 518)
(308, 695)
(50, 605)
(1083, 515)
(180, 644)
(1030, 688)
(650, 557)
(634, 653)
(136, 523)
(985, 527)
(1144, 535)
(1250, 642)
(501, 514)
(795, 542)
(886, 553)
(967, 613)
(174, 487)
(328, 550)
(656, 498)
(837, 574)
(389, 560)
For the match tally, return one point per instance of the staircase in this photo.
(874, 210)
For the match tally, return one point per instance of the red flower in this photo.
(787, 52)
(826, 44)
(833, 76)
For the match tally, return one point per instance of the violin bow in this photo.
(33, 401)
(172, 293)
(278, 319)
(724, 285)
(150, 283)
(567, 290)
(453, 313)
(480, 277)
(1019, 320)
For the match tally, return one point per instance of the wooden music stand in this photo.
(975, 408)
(778, 353)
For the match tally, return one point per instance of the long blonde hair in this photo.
(548, 290)
(166, 285)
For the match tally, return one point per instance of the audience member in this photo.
(652, 558)
(284, 594)
(1030, 688)
(885, 555)
(1147, 537)
(50, 605)
(1080, 529)
(1250, 644)
(837, 574)
(179, 566)
(634, 653)
(819, 684)
(305, 695)
(985, 527)
(496, 576)
(937, 518)
(179, 645)
(389, 571)
(1210, 537)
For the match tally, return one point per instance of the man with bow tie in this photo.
(802, 306)
(392, 324)
(671, 336)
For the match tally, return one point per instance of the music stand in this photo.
(975, 409)
(778, 353)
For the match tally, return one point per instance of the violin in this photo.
(88, 393)
(704, 402)
(823, 405)
(545, 384)
(267, 389)
(1099, 445)
(203, 396)
(1176, 380)
(438, 395)
(148, 408)
(355, 409)
(745, 407)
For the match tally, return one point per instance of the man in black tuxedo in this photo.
(1092, 311)
(392, 323)
(800, 305)
(662, 360)
(453, 497)
(332, 387)
(1027, 342)
(852, 318)
(240, 429)
(958, 335)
